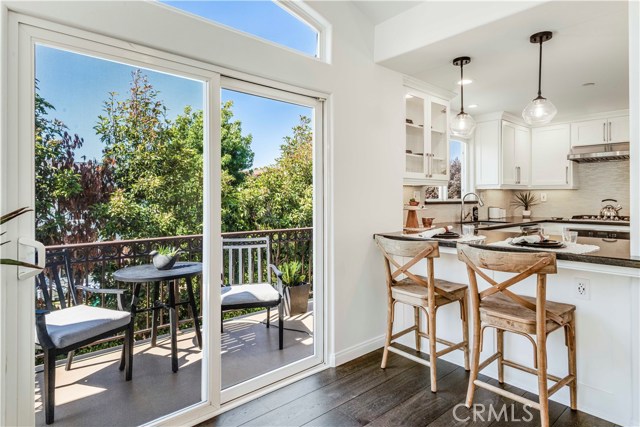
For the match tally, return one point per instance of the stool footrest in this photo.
(451, 348)
(488, 361)
(557, 386)
(532, 371)
(403, 332)
(409, 356)
(507, 394)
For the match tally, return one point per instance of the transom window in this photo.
(268, 20)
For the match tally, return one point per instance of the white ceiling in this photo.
(379, 10)
(590, 44)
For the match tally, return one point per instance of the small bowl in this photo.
(427, 222)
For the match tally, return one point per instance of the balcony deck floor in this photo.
(94, 392)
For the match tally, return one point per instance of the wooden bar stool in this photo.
(499, 308)
(422, 293)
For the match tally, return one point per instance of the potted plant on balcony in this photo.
(165, 257)
(525, 200)
(296, 290)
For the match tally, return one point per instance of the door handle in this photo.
(609, 131)
(604, 132)
(566, 174)
(26, 272)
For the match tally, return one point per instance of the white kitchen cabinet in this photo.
(487, 153)
(549, 165)
(426, 139)
(600, 131)
(516, 154)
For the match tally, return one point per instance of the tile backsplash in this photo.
(596, 181)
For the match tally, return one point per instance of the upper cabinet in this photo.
(600, 131)
(516, 154)
(549, 165)
(426, 139)
(503, 154)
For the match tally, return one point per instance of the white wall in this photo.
(364, 118)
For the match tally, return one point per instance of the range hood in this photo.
(599, 153)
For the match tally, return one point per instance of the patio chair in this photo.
(74, 326)
(244, 286)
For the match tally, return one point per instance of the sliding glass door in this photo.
(116, 153)
(272, 234)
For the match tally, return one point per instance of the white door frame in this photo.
(319, 213)
(17, 317)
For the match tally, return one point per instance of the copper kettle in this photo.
(609, 210)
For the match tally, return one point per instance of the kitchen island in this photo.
(606, 319)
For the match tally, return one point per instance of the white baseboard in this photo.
(355, 351)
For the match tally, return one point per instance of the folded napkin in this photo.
(529, 239)
(430, 233)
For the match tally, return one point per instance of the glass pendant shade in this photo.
(540, 111)
(462, 125)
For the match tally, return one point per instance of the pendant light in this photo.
(463, 124)
(540, 111)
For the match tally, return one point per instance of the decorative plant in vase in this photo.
(165, 257)
(413, 202)
(296, 289)
(524, 200)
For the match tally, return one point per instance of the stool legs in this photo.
(500, 348)
(416, 322)
(387, 343)
(571, 347)
(475, 354)
(464, 316)
(432, 349)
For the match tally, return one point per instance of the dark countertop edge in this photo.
(585, 258)
(511, 221)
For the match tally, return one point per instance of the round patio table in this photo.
(147, 273)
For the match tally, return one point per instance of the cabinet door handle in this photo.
(430, 165)
(566, 174)
(609, 131)
(604, 132)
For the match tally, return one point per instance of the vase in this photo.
(526, 214)
(165, 262)
(296, 299)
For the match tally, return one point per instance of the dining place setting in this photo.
(534, 238)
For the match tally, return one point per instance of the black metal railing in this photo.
(93, 265)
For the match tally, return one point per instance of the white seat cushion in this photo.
(256, 294)
(78, 323)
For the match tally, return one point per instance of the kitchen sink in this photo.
(488, 223)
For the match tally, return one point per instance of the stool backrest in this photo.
(417, 250)
(522, 264)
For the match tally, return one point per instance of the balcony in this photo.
(95, 386)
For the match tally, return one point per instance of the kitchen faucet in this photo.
(480, 203)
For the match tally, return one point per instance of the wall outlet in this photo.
(543, 197)
(582, 288)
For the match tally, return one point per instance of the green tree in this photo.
(67, 190)
(157, 166)
(281, 195)
(236, 161)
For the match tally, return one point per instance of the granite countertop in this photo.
(612, 252)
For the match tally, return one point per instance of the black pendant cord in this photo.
(540, 73)
(461, 89)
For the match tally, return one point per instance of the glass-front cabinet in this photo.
(426, 139)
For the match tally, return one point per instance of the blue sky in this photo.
(77, 85)
(264, 19)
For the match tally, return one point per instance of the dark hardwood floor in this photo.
(359, 393)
